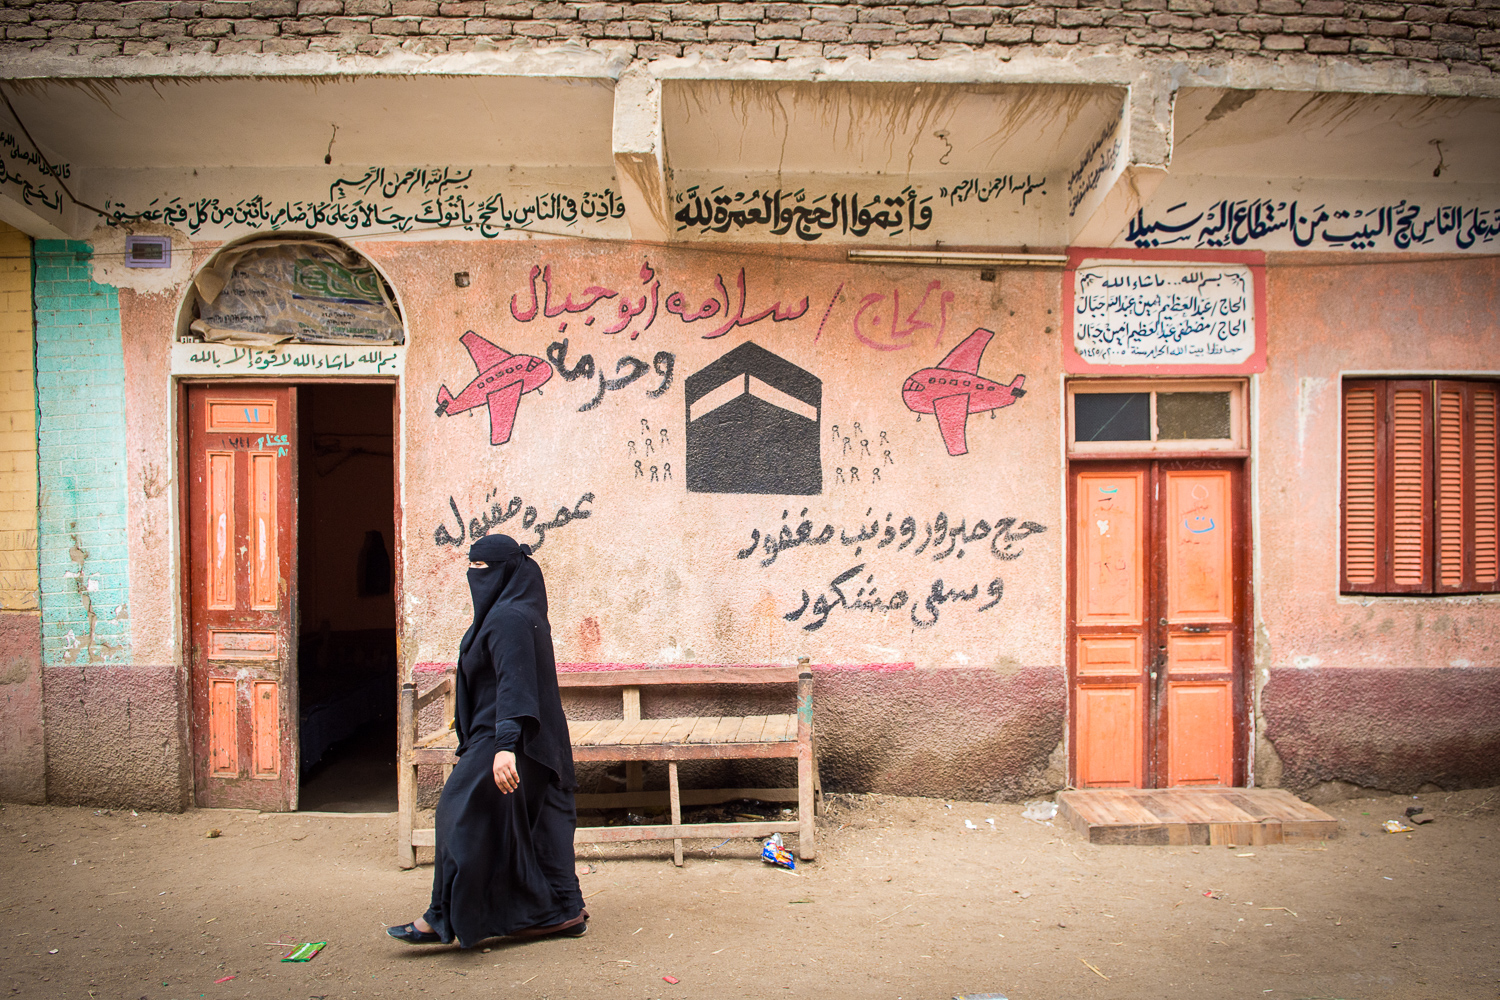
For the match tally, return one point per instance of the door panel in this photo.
(240, 502)
(1109, 752)
(1200, 750)
(1112, 570)
(1157, 599)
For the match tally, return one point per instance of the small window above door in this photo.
(1118, 417)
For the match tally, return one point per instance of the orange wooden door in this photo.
(1157, 601)
(241, 538)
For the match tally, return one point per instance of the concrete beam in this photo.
(640, 156)
(39, 225)
(1120, 170)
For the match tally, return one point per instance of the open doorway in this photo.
(346, 655)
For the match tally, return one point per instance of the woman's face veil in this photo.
(502, 557)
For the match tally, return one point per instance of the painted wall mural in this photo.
(753, 425)
(503, 378)
(734, 459)
(954, 389)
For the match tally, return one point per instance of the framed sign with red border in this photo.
(1164, 312)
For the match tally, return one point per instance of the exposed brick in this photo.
(428, 45)
(511, 10)
(1453, 33)
(303, 26)
(487, 26)
(396, 25)
(600, 12)
(753, 52)
(882, 15)
(1323, 46)
(414, 8)
(535, 29)
(845, 14)
(1473, 18)
(778, 31)
(926, 15)
(1161, 19)
(690, 33)
(216, 8)
(1037, 15)
(1261, 25)
(1392, 29)
(1100, 36)
(9, 16)
(915, 36)
(1324, 7)
(972, 15)
(1191, 40)
(1239, 43)
(163, 29)
(1125, 19)
(462, 8)
(652, 12)
(273, 8)
(1080, 18)
(965, 36)
(554, 12)
(211, 27)
(1371, 46)
(92, 11)
(658, 50)
(185, 9)
(1145, 5)
(250, 27)
(1292, 7)
(742, 12)
(1421, 12)
(1065, 36)
(1190, 6)
(875, 33)
(143, 48)
(1382, 11)
(284, 46)
(832, 51)
(1455, 50)
(817, 32)
(799, 50)
(238, 46)
(1284, 43)
(1411, 49)
(348, 25)
(73, 30)
(1344, 26)
(68, 11)
(787, 12)
(320, 7)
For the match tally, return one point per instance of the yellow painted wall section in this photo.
(18, 556)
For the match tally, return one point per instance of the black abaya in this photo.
(505, 862)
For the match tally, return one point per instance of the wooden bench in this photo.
(633, 741)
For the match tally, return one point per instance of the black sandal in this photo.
(410, 934)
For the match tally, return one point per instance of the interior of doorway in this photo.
(346, 657)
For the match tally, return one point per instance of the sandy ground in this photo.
(903, 902)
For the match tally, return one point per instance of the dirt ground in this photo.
(904, 902)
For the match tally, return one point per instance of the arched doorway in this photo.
(290, 355)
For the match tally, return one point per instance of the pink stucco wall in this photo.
(653, 573)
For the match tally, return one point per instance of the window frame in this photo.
(1236, 445)
(1384, 514)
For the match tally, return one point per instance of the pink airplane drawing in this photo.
(503, 378)
(954, 389)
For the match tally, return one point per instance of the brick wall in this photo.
(1448, 36)
(81, 457)
(18, 581)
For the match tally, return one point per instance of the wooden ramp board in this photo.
(1210, 816)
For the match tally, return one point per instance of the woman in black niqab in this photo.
(506, 818)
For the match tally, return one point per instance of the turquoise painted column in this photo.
(80, 388)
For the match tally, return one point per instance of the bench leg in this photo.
(807, 848)
(406, 814)
(676, 810)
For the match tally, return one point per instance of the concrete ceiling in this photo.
(743, 126)
(468, 121)
(1271, 133)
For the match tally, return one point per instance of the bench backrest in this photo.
(651, 676)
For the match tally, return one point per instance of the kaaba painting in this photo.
(753, 424)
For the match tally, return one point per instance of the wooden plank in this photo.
(690, 797)
(750, 729)
(424, 838)
(679, 731)
(614, 834)
(677, 675)
(434, 755)
(621, 733)
(1240, 816)
(579, 732)
(685, 751)
(780, 729)
(729, 725)
(611, 728)
(651, 733)
(703, 730)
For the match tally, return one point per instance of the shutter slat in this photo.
(1450, 486)
(1360, 543)
(1486, 507)
(1409, 489)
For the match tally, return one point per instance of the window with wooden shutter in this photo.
(1421, 508)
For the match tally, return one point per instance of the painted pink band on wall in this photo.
(442, 668)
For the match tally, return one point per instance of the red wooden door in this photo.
(241, 539)
(1157, 639)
